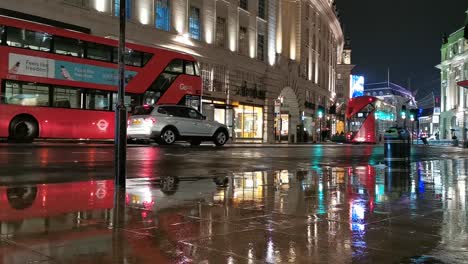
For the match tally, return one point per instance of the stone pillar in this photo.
(179, 16)
(209, 20)
(269, 118)
(271, 18)
(233, 25)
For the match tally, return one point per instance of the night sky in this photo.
(403, 35)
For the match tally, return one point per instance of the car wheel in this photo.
(168, 136)
(23, 129)
(195, 142)
(220, 138)
(169, 184)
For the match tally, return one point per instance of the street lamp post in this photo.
(120, 139)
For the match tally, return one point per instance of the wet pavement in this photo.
(316, 204)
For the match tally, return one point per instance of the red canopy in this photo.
(463, 83)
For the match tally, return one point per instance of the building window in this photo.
(128, 8)
(220, 41)
(261, 9)
(162, 14)
(243, 41)
(243, 4)
(248, 121)
(261, 47)
(194, 23)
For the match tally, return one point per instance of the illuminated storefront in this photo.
(218, 111)
(248, 122)
(243, 121)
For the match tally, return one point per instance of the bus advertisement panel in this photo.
(58, 83)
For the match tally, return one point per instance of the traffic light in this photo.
(414, 114)
(320, 111)
(403, 112)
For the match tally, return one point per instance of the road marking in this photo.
(15, 153)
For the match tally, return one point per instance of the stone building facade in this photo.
(454, 97)
(266, 65)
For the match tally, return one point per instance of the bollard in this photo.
(397, 146)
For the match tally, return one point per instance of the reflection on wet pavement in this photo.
(360, 214)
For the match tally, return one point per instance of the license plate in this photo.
(136, 122)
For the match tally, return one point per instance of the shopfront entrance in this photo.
(220, 112)
(287, 119)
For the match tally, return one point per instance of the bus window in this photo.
(100, 52)
(67, 97)
(29, 94)
(132, 57)
(68, 46)
(189, 68)
(22, 38)
(176, 66)
(2, 34)
(146, 57)
(197, 69)
(131, 101)
(97, 100)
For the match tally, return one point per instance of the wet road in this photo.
(58, 162)
(302, 204)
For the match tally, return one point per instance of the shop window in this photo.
(67, 97)
(162, 14)
(29, 94)
(68, 46)
(194, 23)
(100, 52)
(220, 40)
(22, 38)
(248, 122)
(97, 100)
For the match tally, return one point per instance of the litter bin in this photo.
(397, 146)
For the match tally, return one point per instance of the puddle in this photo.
(413, 214)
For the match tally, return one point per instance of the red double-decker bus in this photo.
(59, 83)
(368, 118)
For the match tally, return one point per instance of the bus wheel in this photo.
(24, 128)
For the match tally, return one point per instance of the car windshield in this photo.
(143, 110)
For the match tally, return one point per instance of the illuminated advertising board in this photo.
(357, 86)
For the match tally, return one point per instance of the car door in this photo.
(178, 117)
(203, 127)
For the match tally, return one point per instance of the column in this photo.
(209, 20)
(271, 30)
(233, 25)
(179, 15)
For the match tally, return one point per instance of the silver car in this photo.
(168, 123)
